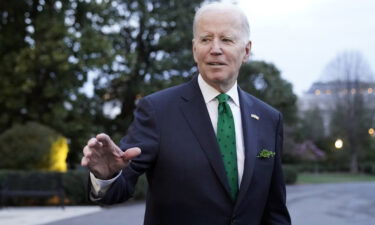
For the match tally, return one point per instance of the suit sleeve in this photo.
(276, 212)
(142, 133)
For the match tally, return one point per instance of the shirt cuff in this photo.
(100, 187)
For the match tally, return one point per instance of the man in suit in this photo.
(210, 151)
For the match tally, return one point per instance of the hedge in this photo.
(290, 174)
(367, 168)
(33, 146)
(75, 183)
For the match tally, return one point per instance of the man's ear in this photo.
(194, 49)
(247, 52)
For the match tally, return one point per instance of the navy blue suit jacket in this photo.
(183, 165)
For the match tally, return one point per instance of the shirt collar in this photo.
(209, 93)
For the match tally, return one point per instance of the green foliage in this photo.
(47, 48)
(370, 151)
(319, 178)
(353, 109)
(350, 121)
(311, 126)
(152, 48)
(367, 167)
(141, 188)
(321, 167)
(29, 182)
(290, 174)
(75, 183)
(308, 138)
(34, 180)
(27, 147)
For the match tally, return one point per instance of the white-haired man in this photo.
(211, 152)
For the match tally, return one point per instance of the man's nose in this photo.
(216, 48)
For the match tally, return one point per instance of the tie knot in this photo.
(222, 98)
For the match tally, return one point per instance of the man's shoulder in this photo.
(260, 105)
(172, 94)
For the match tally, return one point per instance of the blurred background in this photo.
(74, 68)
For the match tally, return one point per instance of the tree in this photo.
(264, 81)
(47, 48)
(351, 79)
(311, 126)
(309, 137)
(152, 45)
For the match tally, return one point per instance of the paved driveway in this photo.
(332, 204)
(319, 204)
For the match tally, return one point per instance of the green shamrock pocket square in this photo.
(266, 154)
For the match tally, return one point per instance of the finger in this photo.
(94, 143)
(84, 161)
(86, 151)
(109, 144)
(131, 153)
(104, 139)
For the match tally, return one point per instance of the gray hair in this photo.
(223, 6)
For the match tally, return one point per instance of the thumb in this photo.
(131, 153)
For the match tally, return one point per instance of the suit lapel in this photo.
(250, 137)
(195, 111)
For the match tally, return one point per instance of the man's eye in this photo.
(204, 40)
(226, 40)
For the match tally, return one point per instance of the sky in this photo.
(302, 36)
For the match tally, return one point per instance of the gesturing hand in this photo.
(104, 158)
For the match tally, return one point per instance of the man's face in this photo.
(219, 48)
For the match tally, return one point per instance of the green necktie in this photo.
(226, 137)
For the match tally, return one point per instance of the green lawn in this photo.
(312, 178)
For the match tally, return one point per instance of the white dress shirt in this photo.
(209, 94)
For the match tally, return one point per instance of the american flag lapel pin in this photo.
(254, 116)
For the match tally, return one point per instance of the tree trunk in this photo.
(354, 162)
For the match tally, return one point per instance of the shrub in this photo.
(28, 182)
(367, 168)
(290, 174)
(322, 167)
(74, 184)
(33, 146)
(141, 188)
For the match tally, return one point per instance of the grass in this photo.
(319, 178)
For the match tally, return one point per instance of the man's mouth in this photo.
(216, 63)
